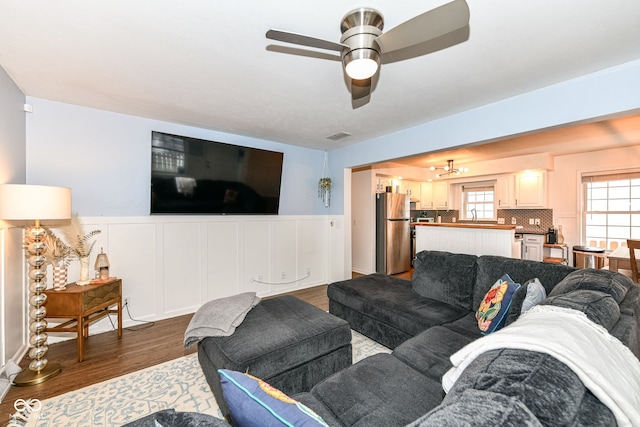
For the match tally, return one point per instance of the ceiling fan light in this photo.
(361, 64)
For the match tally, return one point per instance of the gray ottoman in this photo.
(284, 341)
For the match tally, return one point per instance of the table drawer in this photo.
(101, 295)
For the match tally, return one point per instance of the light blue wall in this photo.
(105, 158)
(12, 171)
(614, 91)
(12, 132)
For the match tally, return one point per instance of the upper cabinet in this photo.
(410, 188)
(434, 195)
(504, 189)
(530, 190)
(441, 195)
(426, 195)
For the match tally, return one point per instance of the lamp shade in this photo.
(34, 202)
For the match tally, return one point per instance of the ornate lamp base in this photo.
(29, 377)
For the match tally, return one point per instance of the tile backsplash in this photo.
(522, 217)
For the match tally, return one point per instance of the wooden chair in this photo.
(633, 245)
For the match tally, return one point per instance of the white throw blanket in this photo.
(606, 366)
(219, 318)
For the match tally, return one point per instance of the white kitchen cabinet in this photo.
(504, 190)
(410, 188)
(532, 247)
(441, 195)
(530, 190)
(426, 195)
(382, 182)
(415, 190)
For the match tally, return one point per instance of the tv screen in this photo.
(195, 176)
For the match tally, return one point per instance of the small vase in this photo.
(59, 277)
(84, 271)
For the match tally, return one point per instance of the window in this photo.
(478, 198)
(612, 209)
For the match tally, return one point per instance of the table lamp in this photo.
(102, 265)
(35, 203)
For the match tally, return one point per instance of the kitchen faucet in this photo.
(474, 217)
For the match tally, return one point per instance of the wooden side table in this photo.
(564, 259)
(84, 305)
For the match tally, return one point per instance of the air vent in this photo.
(338, 136)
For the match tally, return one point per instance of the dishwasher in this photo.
(518, 242)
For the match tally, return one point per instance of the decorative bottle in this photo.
(560, 236)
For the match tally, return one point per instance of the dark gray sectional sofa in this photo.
(428, 319)
(431, 317)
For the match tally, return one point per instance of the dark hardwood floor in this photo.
(106, 356)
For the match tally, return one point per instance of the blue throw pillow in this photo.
(491, 314)
(254, 403)
(535, 294)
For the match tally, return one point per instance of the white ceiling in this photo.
(208, 63)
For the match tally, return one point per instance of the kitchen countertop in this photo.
(468, 225)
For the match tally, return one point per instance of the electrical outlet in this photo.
(530, 221)
(513, 220)
(283, 275)
(537, 221)
(126, 301)
(251, 279)
(259, 278)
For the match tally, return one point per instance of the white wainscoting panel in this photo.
(223, 259)
(136, 259)
(284, 257)
(336, 250)
(171, 265)
(182, 267)
(255, 256)
(312, 254)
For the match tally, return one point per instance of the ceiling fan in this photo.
(363, 43)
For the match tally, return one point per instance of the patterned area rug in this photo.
(178, 384)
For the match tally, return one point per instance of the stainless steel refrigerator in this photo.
(393, 235)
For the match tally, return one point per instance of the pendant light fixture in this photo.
(448, 170)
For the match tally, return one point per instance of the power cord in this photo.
(283, 283)
(145, 323)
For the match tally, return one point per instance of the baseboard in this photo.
(8, 370)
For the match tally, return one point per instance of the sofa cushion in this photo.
(548, 387)
(493, 309)
(445, 277)
(527, 296)
(599, 307)
(467, 326)
(520, 270)
(254, 403)
(312, 402)
(379, 391)
(429, 351)
(479, 408)
(390, 300)
(610, 282)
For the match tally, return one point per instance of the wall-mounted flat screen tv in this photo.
(196, 176)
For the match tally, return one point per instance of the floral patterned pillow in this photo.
(491, 314)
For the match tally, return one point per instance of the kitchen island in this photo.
(467, 238)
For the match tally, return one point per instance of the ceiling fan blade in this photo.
(287, 37)
(429, 25)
